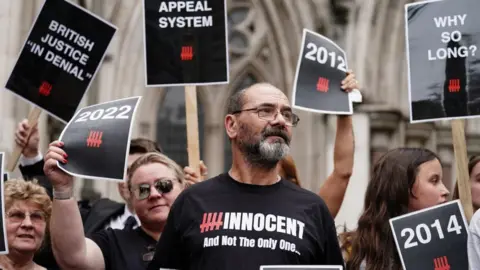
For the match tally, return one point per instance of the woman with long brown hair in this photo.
(403, 180)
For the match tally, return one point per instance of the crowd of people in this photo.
(255, 214)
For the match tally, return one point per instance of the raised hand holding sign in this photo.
(97, 140)
(321, 67)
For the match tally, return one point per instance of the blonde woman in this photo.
(27, 212)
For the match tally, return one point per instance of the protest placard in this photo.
(442, 52)
(97, 140)
(60, 58)
(432, 238)
(185, 42)
(321, 67)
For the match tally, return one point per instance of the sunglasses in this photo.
(143, 191)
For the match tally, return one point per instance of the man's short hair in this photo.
(143, 146)
(236, 101)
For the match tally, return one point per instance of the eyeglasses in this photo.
(17, 216)
(270, 113)
(143, 191)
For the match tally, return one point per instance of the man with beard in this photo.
(250, 216)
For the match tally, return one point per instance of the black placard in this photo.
(301, 267)
(432, 238)
(97, 140)
(3, 233)
(321, 67)
(60, 58)
(442, 39)
(185, 42)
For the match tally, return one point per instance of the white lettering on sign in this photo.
(66, 49)
(442, 22)
(182, 22)
(321, 55)
(65, 52)
(64, 64)
(110, 113)
(185, 21)
(71, 35)
(424, 235)
(188, 6)
(455, 50)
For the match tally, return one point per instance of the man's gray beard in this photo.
(265, 155)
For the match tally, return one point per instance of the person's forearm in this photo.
(333, 189)
(344, 148)
(68, 239)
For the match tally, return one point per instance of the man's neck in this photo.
(16, 260)
(245, 172)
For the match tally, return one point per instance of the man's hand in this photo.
(28, 142)
(192, 177)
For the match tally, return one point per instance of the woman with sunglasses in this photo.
(155, 182)
(27, 211)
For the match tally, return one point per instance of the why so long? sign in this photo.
(447, 36)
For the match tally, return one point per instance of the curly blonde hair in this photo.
(21, 190)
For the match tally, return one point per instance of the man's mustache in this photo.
(276, 132)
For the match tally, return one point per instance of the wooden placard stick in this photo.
(461, 161)
(17, 150)
(193, 145)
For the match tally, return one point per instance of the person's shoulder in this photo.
(302, 196)
(208, 185)
(198, 190)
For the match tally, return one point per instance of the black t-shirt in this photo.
(224, 224)
(125, 249)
